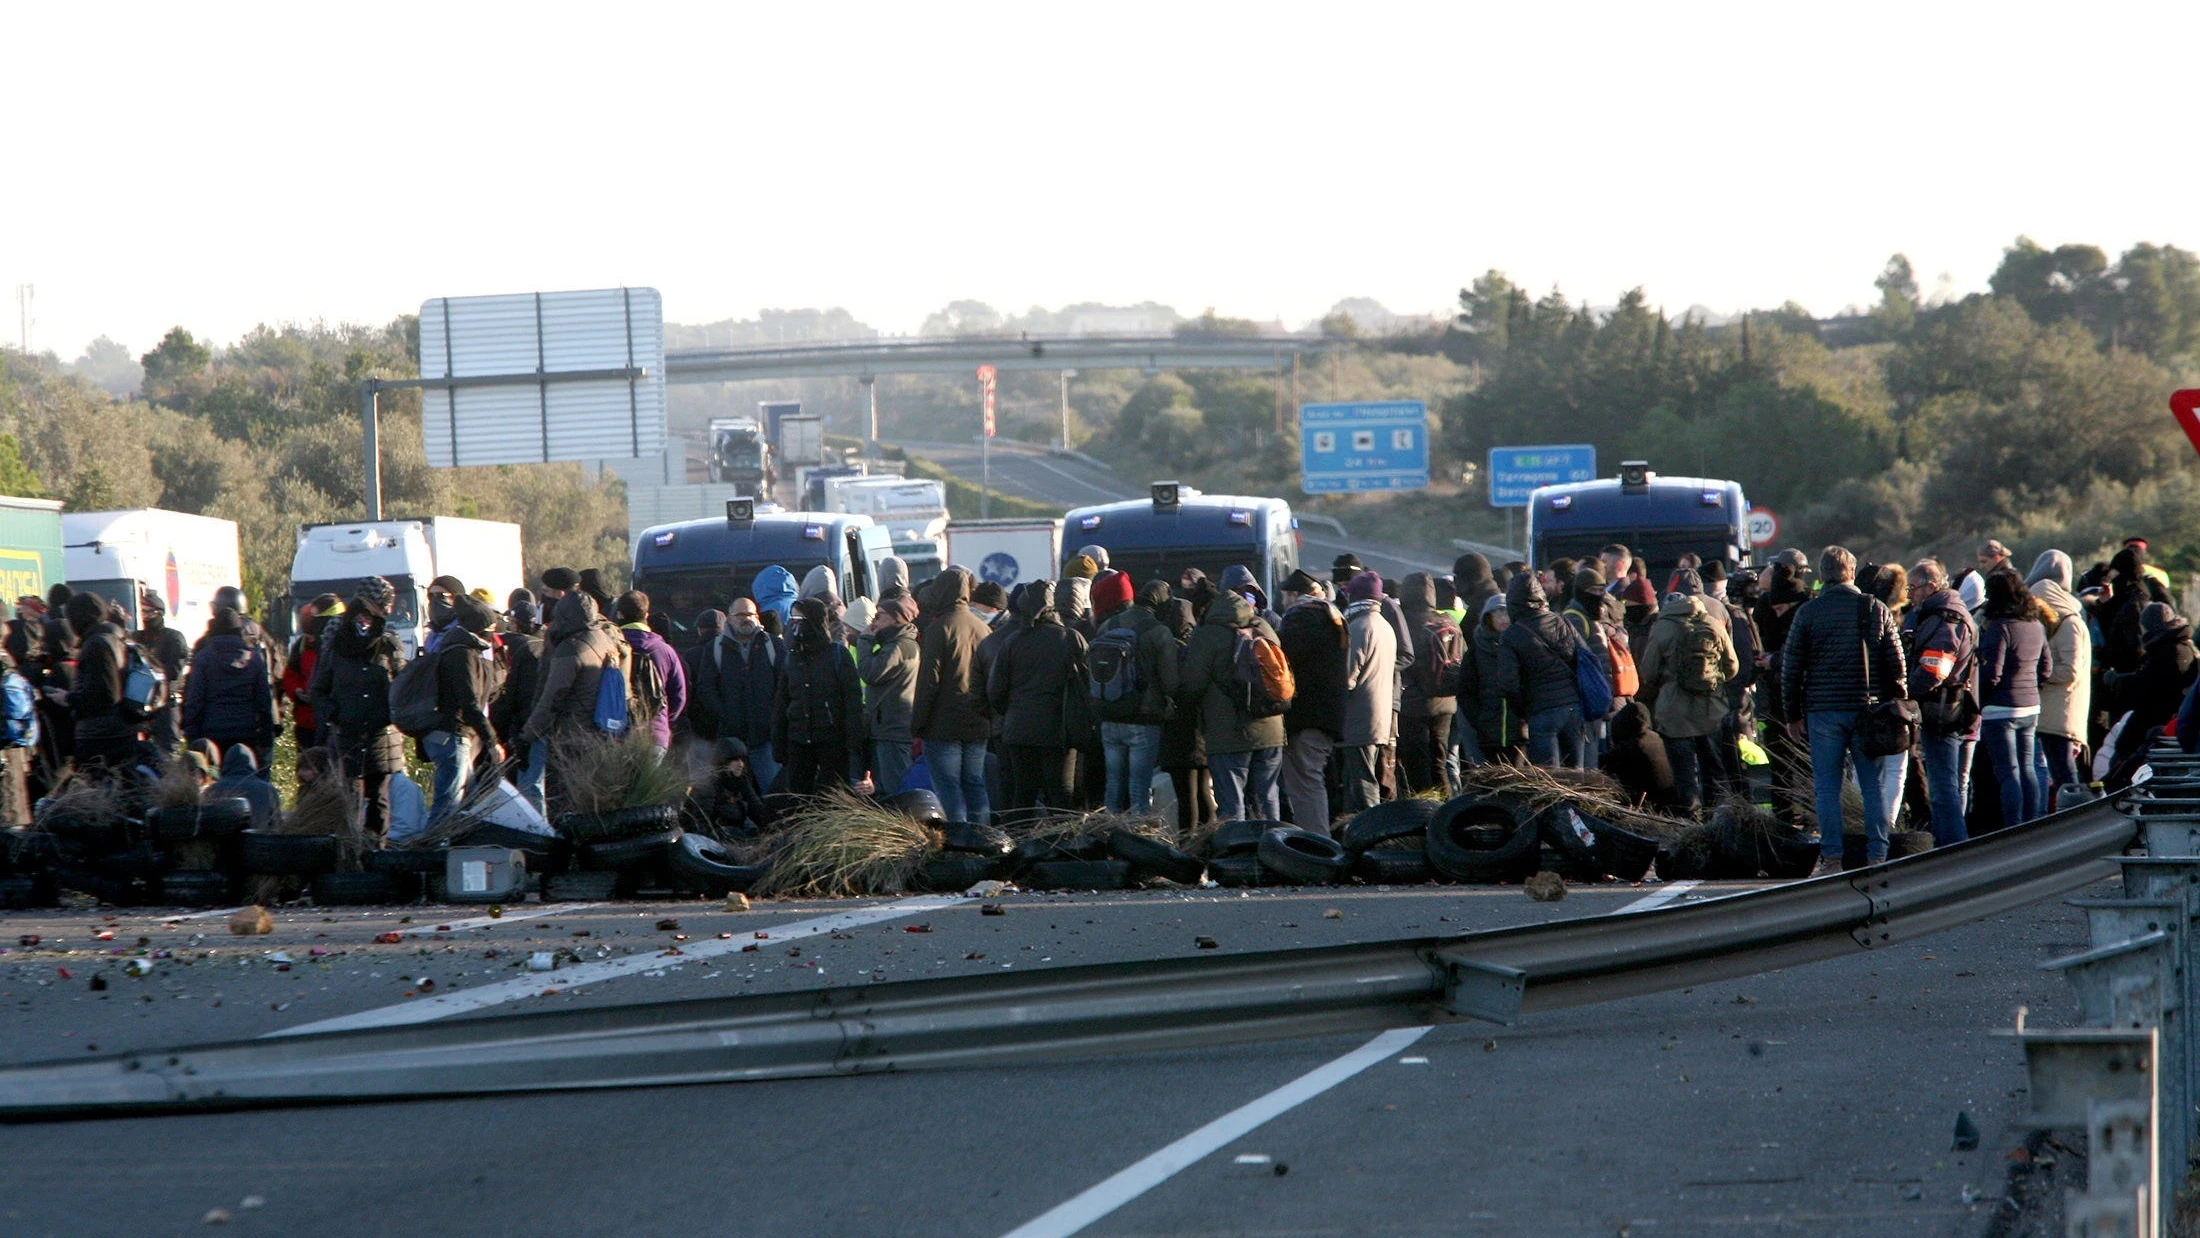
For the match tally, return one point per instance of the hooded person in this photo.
(104, 732)
(893, 577)
(1370, 710)
(735, 681)
(241, 779)
(887, 653)
(359, 661)
(296, 685)
(1972, 589)
(444, 594)
(2154, 690)
(226, 696)
(709, 624)
(774, 591)
(1315, 646)
(1471, 580)
(1489, 729)
(820, 583)
(1428, 703)
(1073, 595)
(1685, 668)
(2066, 694)
(166, 649)
(1032, 673)
(2119, 613)
(578, 650)
(1132, 675)
(1244, 750)
(1636, 758)
(1237, 578)
(817, 714)
(1183, 743)
(662, 687)
(729, 805)
(1535, 673)
(520, 647)
(948, 712)
(590, 582)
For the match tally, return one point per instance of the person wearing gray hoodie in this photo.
(2066, 693)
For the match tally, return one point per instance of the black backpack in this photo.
(1111, 675)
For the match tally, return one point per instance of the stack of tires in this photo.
(1113, 858)
(127, 861)
(623, 853)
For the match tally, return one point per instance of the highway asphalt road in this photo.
(1819, 1100)
(1029, 472)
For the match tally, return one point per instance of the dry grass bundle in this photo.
(600, 775)
(841, 843)
(80, 801)
(1587, 791)
(1097, 824)
(178, 786)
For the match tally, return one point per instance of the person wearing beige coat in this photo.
(1689, 721)
(2066, 695)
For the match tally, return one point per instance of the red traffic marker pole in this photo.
(2185, 406)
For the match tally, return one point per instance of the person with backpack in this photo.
(172, 654)
(106, 731)
(1589, 610)
(817, 713)
(580, 653)
(1428, 706)
(1316, 646)
(1036, 667)
(1741, 715)
(1685, 669)
(658, 682)
(18, 742)
(1370, 716)
(1536, 676)
(225, 695)
(736, 680)
(1940, 639)
(465, 684)
(359, 662)
(1131, 675)
(887, 656)
(1230, 675)
(948, 713)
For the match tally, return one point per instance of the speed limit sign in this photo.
(1764, 527)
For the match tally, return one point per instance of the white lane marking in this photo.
(1084, 1209)
(442, 1005)
(520, 914)
(1659, 897)
(201, 915)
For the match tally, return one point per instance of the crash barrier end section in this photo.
(1117, 1007)
(2105, 1081)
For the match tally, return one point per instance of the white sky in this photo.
(220, 165)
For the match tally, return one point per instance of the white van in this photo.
(334, 558)
(122, 555)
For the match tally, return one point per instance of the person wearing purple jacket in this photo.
(2013, 660)
(632, 610)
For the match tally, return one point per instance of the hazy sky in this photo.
(219, 165)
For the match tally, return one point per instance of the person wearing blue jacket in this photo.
(774, 591)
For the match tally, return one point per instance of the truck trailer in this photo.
(180, 557)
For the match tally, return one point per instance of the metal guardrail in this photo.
(1108, 1008)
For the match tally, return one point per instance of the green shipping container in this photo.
(30, 548)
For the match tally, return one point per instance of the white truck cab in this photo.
(334, 558)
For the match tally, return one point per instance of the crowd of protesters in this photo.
(1964, 698)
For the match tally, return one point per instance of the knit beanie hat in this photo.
(1081, 566)
(561, 578)
(1365, 587)
(1111, 592)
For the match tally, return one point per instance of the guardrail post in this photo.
(2132, 982)
(2104, 1081)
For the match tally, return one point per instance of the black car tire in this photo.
(1303, 857)
(1905, 843)
(580, 887)
(1374, 826)
(212, 819)
(625, 854)
(1475, 838)
(954, 873)
(1080, 875)
(968, 839)
(1155, 857)
(619, 823)
(1238, 837)
(1236, 870)
(1388, 867)
(1620, 853)
(919, 805)
(287, 855)
(141, 862)
(361, 890)
(25, 893)
(196, 889)
(417, 860)
(106, 889)
(705, 866)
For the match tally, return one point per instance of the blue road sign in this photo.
(1378, 445)
(1517, 471)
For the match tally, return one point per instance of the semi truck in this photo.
(1006, 552)
(696, 565)
(741, 456)
(31, 558)
(1177, 527)
(1657, 518)
(334, 558)
(182, 558)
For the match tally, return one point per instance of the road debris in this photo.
(250, 922)
(1545, 887)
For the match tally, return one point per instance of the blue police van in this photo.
(698, 565)
(1657, 518)
(1177, 527)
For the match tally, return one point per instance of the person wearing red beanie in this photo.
(1111, 592)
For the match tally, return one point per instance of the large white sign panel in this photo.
(546, 333)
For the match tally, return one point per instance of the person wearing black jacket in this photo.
(225, 696)
(1027, 688)
(351, 698)
(166, 649)
(104, 732)
(1535, 674)
(1427, 704)
(1314, 640)
(1842, 655)
(1784, 590)
(728, 805)
(736, 680)
(817, 713)
(522, 646)
(466, 684)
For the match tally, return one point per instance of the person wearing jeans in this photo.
(1942, 640)
(452, 755)
(1942, 757)
(948, 714)
(2011, 754)
(1245, 784)
(958, 778)
(1555, 738)
(2014, 660)
(1843, 654)
(1132, 752)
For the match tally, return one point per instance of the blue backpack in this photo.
(1592, 683)
(612, 717)
(18, 712)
